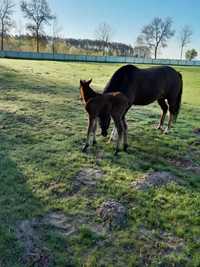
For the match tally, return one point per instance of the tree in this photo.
(104, 34)
(191, 54)
(156, 34)
(55, 34)
(39, 14)
(6, 10)
(185, 37)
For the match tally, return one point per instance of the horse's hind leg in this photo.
(172, 110)
(171, 117)
(164, 108)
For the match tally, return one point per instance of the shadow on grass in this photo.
(17, 203)
(17, 200)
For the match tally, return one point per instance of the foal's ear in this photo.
(89, 82)
(81, 82)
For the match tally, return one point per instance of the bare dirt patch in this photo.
(31, 235)
(154, 179)
(113, 214)
(86, 179)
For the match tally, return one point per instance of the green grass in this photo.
(42, 129)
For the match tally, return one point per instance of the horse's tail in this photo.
(178, 101)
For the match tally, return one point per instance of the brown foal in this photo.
(115, 104)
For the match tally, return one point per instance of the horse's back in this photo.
(121, 79)
(143, 86)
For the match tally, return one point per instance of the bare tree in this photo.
(185, 37)
(39, 14)
(156, 34)
(104, 34)
(56, 30)
(6, 10)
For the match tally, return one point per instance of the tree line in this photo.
(153, 37)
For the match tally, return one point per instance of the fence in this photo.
(103, 59)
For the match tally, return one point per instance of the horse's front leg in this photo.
(120, 131)
(89, 131)
(113, 135)
(125, 134)
(94, 132)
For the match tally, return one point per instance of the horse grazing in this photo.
(144, 86)
(112, 104)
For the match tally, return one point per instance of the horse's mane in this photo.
(117, 80)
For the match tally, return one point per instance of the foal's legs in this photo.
(90, 129)
(164, 108)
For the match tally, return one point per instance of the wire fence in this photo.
(97, 59)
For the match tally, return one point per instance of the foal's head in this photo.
(86, 91)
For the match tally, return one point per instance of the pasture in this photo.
(50, 192)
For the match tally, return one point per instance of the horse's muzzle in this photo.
(104, 133)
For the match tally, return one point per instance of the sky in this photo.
(80, 18)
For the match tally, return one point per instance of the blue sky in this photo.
(80, 18)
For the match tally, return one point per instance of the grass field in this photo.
(42, 129)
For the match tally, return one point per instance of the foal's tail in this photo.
(178, 101)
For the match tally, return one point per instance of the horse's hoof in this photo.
(166, 131)
(116, 152)
(94, 142)
(84, 149)
(126, 147)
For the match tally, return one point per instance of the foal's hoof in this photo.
(84, 149)
(126, 147)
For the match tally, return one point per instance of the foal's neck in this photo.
(89, 93)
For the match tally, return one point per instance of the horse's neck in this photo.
(89, 93)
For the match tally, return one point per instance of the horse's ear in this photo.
(89, 82)
(81, 82)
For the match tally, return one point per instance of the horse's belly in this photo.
(144, 101)
(146, 97)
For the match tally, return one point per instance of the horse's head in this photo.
(104, 122)
(84, 89)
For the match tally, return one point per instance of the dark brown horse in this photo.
(113, 104)
(144, 86)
